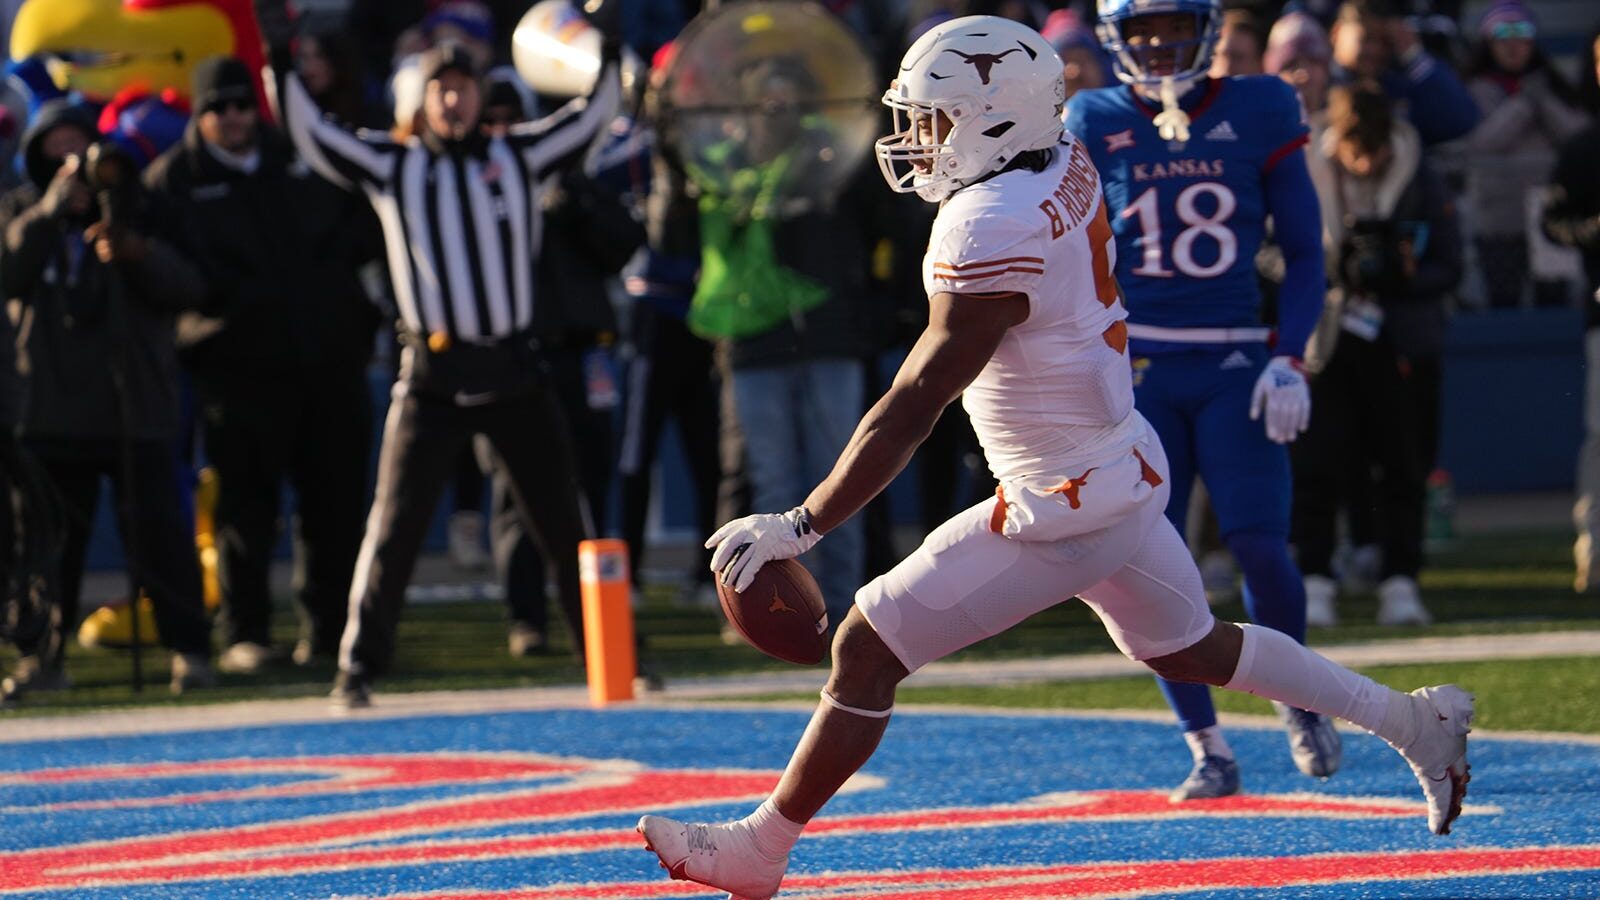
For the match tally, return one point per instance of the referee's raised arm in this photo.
(346, 159)
(564, 137)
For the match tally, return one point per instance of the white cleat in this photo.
(719, 856)
(1438, 754)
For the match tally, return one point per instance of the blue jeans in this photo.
(796, 420)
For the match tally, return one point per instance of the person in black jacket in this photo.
(278, 351)
(1393, 245)
(589, 236)
(1572, 218)
(98, 292)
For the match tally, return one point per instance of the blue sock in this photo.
(1274, 592)
(1192, 703)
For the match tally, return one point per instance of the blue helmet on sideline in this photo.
(1114, 15)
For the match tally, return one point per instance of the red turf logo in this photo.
(541, 793)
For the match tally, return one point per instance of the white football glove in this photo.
(745, 545)
(1283, 394)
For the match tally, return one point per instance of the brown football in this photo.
(781, 614)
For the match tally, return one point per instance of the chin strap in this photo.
(1172, 123)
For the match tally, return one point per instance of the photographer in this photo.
(97, 296)
(1394, 251)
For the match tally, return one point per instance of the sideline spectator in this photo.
(589, 236)
(1394, 252)
(672, 372)
(1239, 45)
(1084, 66)
(278, 352)
(98, 295)
(1529, 110)
(787, 292)
(1572, 218)
(1298, 52)
(328, 62)
(462, 219)
(1372, 42)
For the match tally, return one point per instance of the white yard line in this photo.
(684, 693)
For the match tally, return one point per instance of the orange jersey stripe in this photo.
(962, 267)
(978, 276)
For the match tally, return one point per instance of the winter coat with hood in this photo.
(78, 319)
(280, 250)
(1412, 196)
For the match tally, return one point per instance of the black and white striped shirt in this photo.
(462, 230)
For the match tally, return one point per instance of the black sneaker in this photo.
(351, 691)
(32, 675)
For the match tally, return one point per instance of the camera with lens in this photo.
(1371, 258)
(114, 178)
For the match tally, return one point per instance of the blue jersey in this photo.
(1188, 218)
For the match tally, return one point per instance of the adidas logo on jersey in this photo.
(1222, 132)
(1235, 360)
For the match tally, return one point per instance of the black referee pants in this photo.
(423, 436)
(520, 565)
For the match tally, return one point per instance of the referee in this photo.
(462, 223)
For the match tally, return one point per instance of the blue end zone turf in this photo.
(542, 804)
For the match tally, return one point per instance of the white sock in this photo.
(773, 835)
(1208, 742)
(1275, 666)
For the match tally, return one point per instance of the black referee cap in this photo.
(445, 57)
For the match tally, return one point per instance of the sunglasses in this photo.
(1505, 31)
(232, 105)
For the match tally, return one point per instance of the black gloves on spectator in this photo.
(68, 193)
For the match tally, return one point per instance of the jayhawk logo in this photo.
(106, 48)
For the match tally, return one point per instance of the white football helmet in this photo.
(971, 94)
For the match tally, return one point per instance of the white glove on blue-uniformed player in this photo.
(745, 545)
(1282, 393)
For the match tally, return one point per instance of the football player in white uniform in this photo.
(1026, 326)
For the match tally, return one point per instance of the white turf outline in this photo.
(451, 704)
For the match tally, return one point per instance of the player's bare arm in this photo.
(962, 334)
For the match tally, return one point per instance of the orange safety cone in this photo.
(607, 620)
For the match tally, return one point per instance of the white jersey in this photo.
(1057, 396)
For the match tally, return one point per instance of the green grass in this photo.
(1481, 585)
(1513, 695)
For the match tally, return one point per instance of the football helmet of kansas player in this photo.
(1114, 16)
(971, 95)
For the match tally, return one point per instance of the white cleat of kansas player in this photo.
(1438, 754)
(719, 856)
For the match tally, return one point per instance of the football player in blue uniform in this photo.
(1193, 167)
